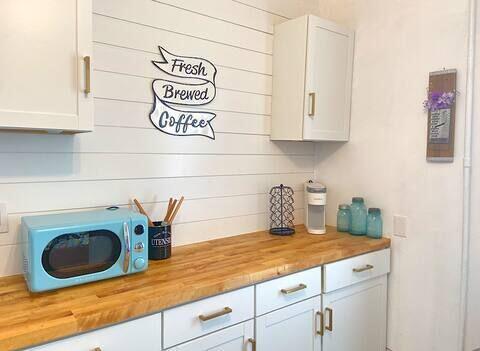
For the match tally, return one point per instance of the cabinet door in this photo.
(290, 328)
(356, 317)
(42, 66)
(236, 338)
(142, 334)
(328, 81)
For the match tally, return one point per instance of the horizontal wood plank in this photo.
(134, 36)
(188, 23)
(48, 196)
(230, 11)
(116, 86)
(138, 63)
(51, 167)
(115, 113)
(193, 210)
(148, 141)
(285, 8)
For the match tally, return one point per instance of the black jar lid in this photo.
(343, 207)
(357, 199)
(374, 210)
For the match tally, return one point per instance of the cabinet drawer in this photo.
(234, 338)
(205, 316)
(354, 270)
(143, 334)
(287, 290)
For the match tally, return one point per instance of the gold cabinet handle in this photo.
(363, 269)
(311, 107)
(88, 72)
(223, 312)
(329, 327)
(322, 323)
(292, 290)
(97, 349)
(254, 344)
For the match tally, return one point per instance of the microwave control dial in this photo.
(139, 247)
(139, 229)
(139, 263)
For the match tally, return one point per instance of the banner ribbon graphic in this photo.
(196, 88)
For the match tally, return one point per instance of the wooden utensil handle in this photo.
(142, 211)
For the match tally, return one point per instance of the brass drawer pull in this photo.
(311, 109)
(292, 290)
(322, 323)
(254, 344)
(329, 327)
(223, 312)
(363, 269)
(88, 72)
(97, 349)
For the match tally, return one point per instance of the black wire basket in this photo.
(281, 210)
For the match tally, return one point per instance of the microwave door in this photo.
(77, 254)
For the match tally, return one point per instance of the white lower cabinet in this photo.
(356, 317)
(237, 338)
(293, 313)
(143, 334)
(296, 327)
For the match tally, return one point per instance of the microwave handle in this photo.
(126, 237)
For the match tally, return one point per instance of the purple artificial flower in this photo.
(438, 100)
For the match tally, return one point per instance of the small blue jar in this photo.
(344, 218)
(374, 223)
(359, 216)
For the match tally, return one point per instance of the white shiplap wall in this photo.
(225, 181)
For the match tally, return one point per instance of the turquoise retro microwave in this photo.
(68, 249)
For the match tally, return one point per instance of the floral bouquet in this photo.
(439, 101)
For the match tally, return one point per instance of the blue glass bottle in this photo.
(344, 218)
(359, 216)
(374, 223)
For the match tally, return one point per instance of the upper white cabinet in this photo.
(44, 65)
(312, 80)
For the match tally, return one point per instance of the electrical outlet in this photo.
(400, 226)
(3, 218)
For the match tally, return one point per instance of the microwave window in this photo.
(76, 254)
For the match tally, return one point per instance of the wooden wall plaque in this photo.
(441, 123)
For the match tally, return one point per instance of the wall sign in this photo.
(440, 106)
(192, 83)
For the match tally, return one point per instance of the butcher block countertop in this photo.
(193, 272)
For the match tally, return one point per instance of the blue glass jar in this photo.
(344, 218)
(359, 216)
(374, 223)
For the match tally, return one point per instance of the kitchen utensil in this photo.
(175, 211)
(142, 211)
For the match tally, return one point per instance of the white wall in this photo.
(225, 181)
(397, 44)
